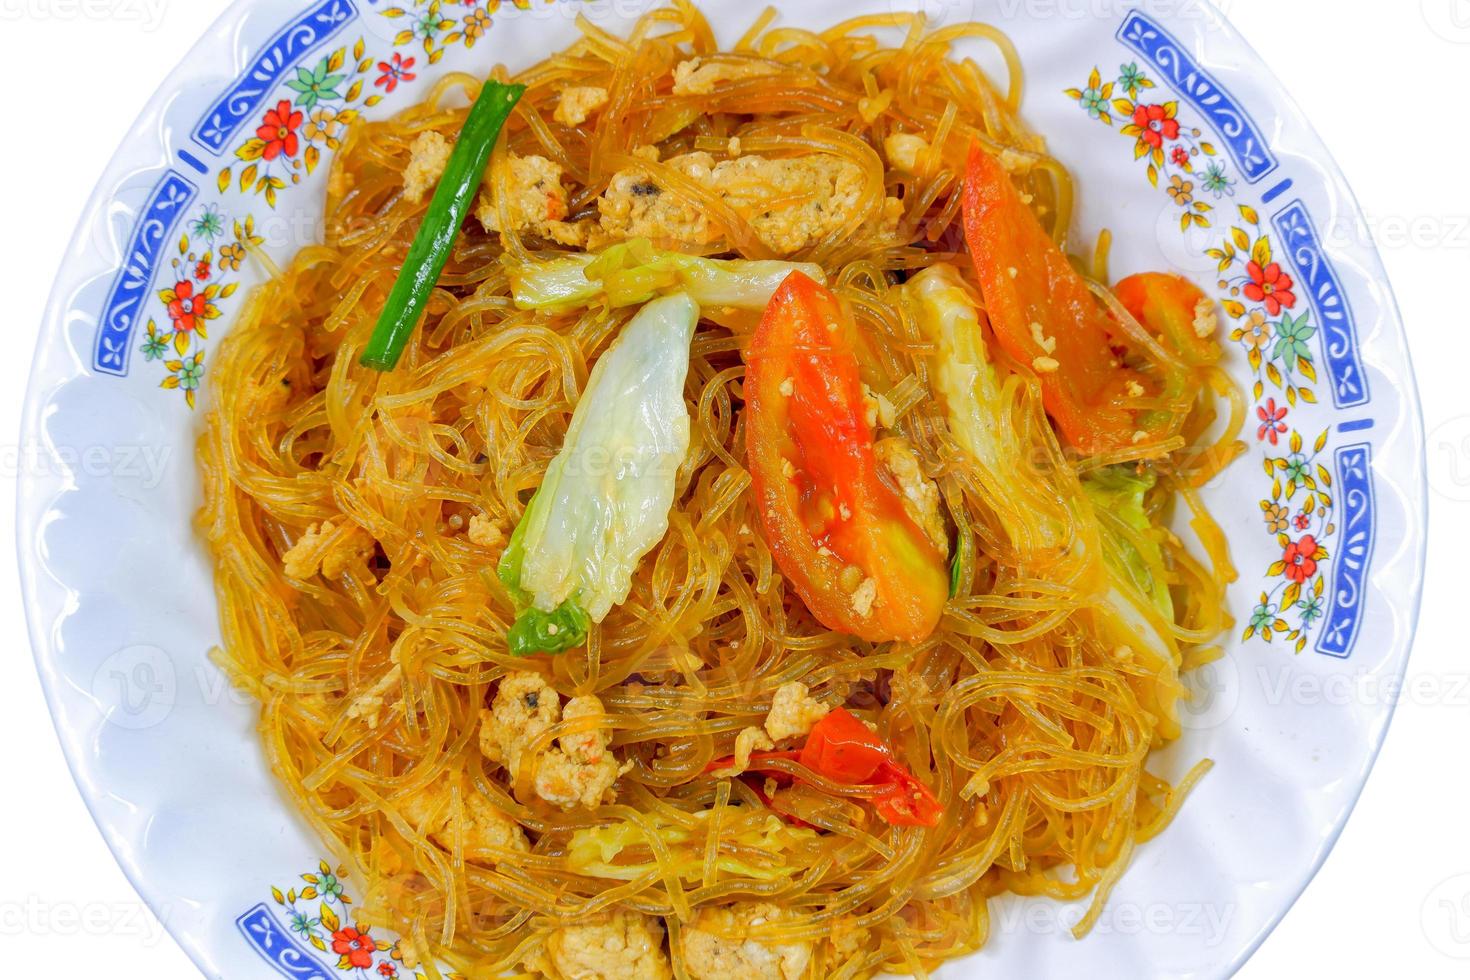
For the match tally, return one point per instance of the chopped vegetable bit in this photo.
(767, 848)
(1131, 539)
(605, 500)
(436, 236)
(972, 389)
(635, 272)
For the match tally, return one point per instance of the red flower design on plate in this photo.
(395, 70)
(279, 131)
(1180, 156)
(1158, 124)
(202, 271)
(387, 969)
(1303, 521)
(1270, 286)
(1301, 559)
(355, 945)
(1273, 421)
(185, 309)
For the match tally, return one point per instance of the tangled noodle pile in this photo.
(1030, 722)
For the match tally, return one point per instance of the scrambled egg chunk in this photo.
(906, 151)
(536, 202)
(578, 102)
(1206, 320)
(717, 946)
(793, 712)
(480, 828)
(619, 945)
(790, 203)
(328, 548)
(485, 532)
(369, 705)
(750, 740)
(578, 771)
(920, 494)
(845, 941)
(699, 77)
(430, 157)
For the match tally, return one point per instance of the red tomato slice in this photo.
(846, 751)
(837, 528)
(1026, 280)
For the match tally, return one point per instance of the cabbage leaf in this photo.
(605, 500)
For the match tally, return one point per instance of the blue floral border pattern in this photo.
(1354, 551)
(1240, 134)
(1315, 515)
(1298, 237)
(275, 945)
(280, 55)
(167, 204)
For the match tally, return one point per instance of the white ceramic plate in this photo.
(118, 587)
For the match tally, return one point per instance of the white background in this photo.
(1385, 84)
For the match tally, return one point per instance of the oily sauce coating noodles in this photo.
(1024, 716)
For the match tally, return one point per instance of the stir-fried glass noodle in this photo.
(659, 616)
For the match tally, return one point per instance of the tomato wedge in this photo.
(843, 749)
(835, 523)
(1176, 310)
(1046, 317)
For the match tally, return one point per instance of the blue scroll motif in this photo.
(274, 943)
(1238, 131)
(1298, 237)
(1354, 551)
(279, 55)
(169, 201)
